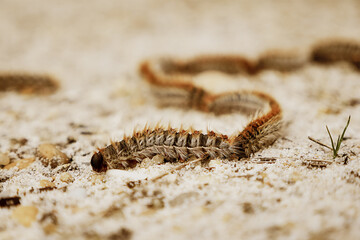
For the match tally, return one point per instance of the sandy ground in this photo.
(94, 48)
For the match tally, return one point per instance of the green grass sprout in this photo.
(334, 147)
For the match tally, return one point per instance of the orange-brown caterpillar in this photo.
(171, 82)
(175, 89)
(28, 83)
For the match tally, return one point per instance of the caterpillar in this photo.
(334, 51)
(172, 88)
(172, 84)
(28, 83)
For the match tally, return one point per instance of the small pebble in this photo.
(66, 177)
(45, 183)
(21, 163)
(52, 156)
(214, 163)
(25, 215)
(4, 159)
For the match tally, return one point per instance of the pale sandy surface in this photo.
(94, 47)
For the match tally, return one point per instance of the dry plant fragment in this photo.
(176, 168)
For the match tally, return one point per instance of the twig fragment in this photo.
(177, 168)
(318, 142)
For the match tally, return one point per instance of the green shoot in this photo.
(336, 148)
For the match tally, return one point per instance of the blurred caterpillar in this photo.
(28, 83)
(335, 51)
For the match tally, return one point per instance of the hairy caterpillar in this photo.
(176, 89)
(335, 51)
(28, 83)
(171, 82)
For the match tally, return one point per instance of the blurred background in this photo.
(101, 40)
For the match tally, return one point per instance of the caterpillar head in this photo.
(97, 162)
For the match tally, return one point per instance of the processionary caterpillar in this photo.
(335, 51)
(171, 82)
(28, 83)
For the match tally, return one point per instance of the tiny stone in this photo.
(214, 163)
(50, 155)
(46, 183)
(4, 159)
(20, 164)
(66, 177)
(25, 215)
